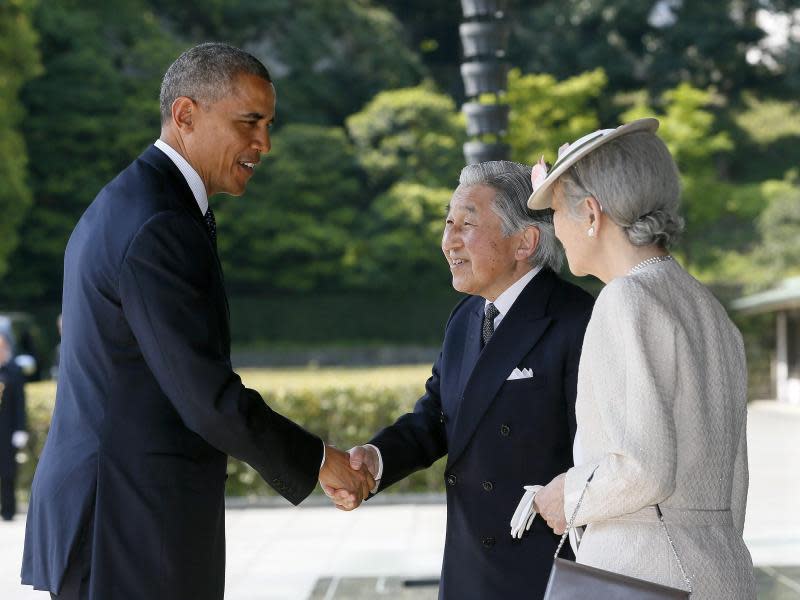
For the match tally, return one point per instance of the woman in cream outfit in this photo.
(661, 404)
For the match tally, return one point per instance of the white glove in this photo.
(525, 513)
(19, 439)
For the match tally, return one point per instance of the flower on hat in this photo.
(538, 174)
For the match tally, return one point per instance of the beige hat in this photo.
(569, 154)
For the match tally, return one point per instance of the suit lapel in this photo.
(518, 332)
(472, 347)
(184, 196)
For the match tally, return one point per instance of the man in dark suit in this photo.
(128, 497)
(13, 435)
(500, 401)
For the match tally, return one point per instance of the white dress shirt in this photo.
(505, 301)
(503, 304)
(200, 195)
(189, 174)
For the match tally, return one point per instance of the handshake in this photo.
(347, 478)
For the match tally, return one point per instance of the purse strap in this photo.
(660, 518)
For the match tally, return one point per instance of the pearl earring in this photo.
(590, 231)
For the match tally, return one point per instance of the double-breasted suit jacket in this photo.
(498, 434)
(148, 407)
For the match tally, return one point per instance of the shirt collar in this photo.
(506, 300)
(189, 174)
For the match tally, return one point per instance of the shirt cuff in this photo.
(322, 464)
(379, 474)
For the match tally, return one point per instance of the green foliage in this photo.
(778, 254)
(328, 57)
(767, 138)
(714, 210)
(19, 62)
(546, 113)
(652, 44)
(293, 229)
(372, 316)
(412, 134)
(91, 112)
(400, 240)
(350, 200)
(344, 416)
(686, 127)
(343, 406)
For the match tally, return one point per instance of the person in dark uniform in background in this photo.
(12, 426)
(500, 402)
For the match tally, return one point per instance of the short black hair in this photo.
(205, 73)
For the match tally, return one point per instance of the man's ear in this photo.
(528, 242)
(183, 113)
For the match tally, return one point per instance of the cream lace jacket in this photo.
(661, 412)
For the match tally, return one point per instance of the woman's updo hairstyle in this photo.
(636, 183)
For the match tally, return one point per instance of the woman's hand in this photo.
(549, 504)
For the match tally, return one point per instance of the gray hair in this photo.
(205, 74)
(512, 185)
(637, 185)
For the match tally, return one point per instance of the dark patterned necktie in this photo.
(211, 224)
(488, 322)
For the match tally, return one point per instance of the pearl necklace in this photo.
(649, 261)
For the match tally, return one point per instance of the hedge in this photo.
(343, 406)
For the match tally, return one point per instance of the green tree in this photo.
(778, 252)
(328, 57)
(546, 113)
(94, 108)
(401, 236)
(412, 134)
(19, 62)
(766, 136)
(654, 44)
(293, 228)
(718, 213)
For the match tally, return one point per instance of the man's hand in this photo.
(549, 503)
(346, 486)
(360, 456)
(365, 456)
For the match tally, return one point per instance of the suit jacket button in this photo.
(443, 417)
(487, 542)
(451, 479)
(505, 430)
(487, 485)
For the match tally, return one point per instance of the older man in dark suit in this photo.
(500, 401)
(128, 497)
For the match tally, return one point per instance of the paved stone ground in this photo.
(319, 553)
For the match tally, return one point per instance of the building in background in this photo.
(784, 302)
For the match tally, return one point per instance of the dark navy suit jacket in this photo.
(148, 407)
(498, 435)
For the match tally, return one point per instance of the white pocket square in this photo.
(520, 374)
